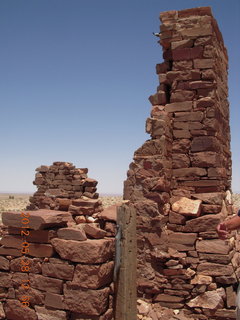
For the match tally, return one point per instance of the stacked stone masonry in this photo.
(63, 259)
(179, 180)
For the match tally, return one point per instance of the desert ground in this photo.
(19, 201)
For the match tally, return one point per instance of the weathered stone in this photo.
(35, 296)
(72, 234)
(180, 161)
(189, 172)
(168, 298)
(39, 219)
(201, 224)
(189, 116)
(216, 258)
(210, 300)
(89, 251)
(49, 314)
(212, 246)
(214, 269)
(110, 213)
(187, 207)
(94, 232)
(45, 283)
(205, 144)
(93, 276)
(181, 96)
(200, 279)
(15, 311)
(86, 301)
(4, 263)
(176, 218)
(6, 279)
(54, 300)
(203, 63)
(58, 270)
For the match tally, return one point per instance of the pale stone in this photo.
(187, 207)
(201, 279)
(210, 300)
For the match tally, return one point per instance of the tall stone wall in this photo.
(179, 180)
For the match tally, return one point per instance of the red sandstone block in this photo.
(34, 264)
(6, 279)
(158, 99)
(39, 219)
(4, 263)
(203, 63)
(72, 234)
(54, 300)
(58, 270)
(187, 43)
(10, 252)
(89, 251)
(94, 232)
(162, 67)
(197, 31)
(14, 310)
(205, 144)
(181, 96)
(43, 283)
(187, 53)
(45, 314)
(86, 302)
(36, 296)
(93, 276)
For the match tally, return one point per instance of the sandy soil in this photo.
(20, 201)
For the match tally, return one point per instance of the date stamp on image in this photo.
(25, 263)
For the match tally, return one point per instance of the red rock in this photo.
(189, 116)
(40, 250)
(15, 311)
(36, 296)
(72, 234)
(85, 202)
(86, 301)
(168, 298)
(49, 314)
(187, 43)
(212, 246)
(110, 213)
(5, 279)
(205, 159)
(214, 269)
(4, 263)
(187, 53)
(94, 232)
(58, 270)
(45, 283)
(203, 63)
(205, 144)
(181, 96)
(93, 276)
(89, 251)
(34, 264)
(210, 300)
(189, 172)
(39, 219)
(179, 106)
(54, 300)
(204, 223)
(158, 98)
(10, 252)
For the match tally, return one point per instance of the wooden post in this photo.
(126, 264)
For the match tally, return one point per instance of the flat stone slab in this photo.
(109, 213)
(88, 251)
(187, 207)
(39, 219)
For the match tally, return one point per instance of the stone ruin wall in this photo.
(179, 180)
(71, 251)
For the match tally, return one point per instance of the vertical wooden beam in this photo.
(126, 257)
